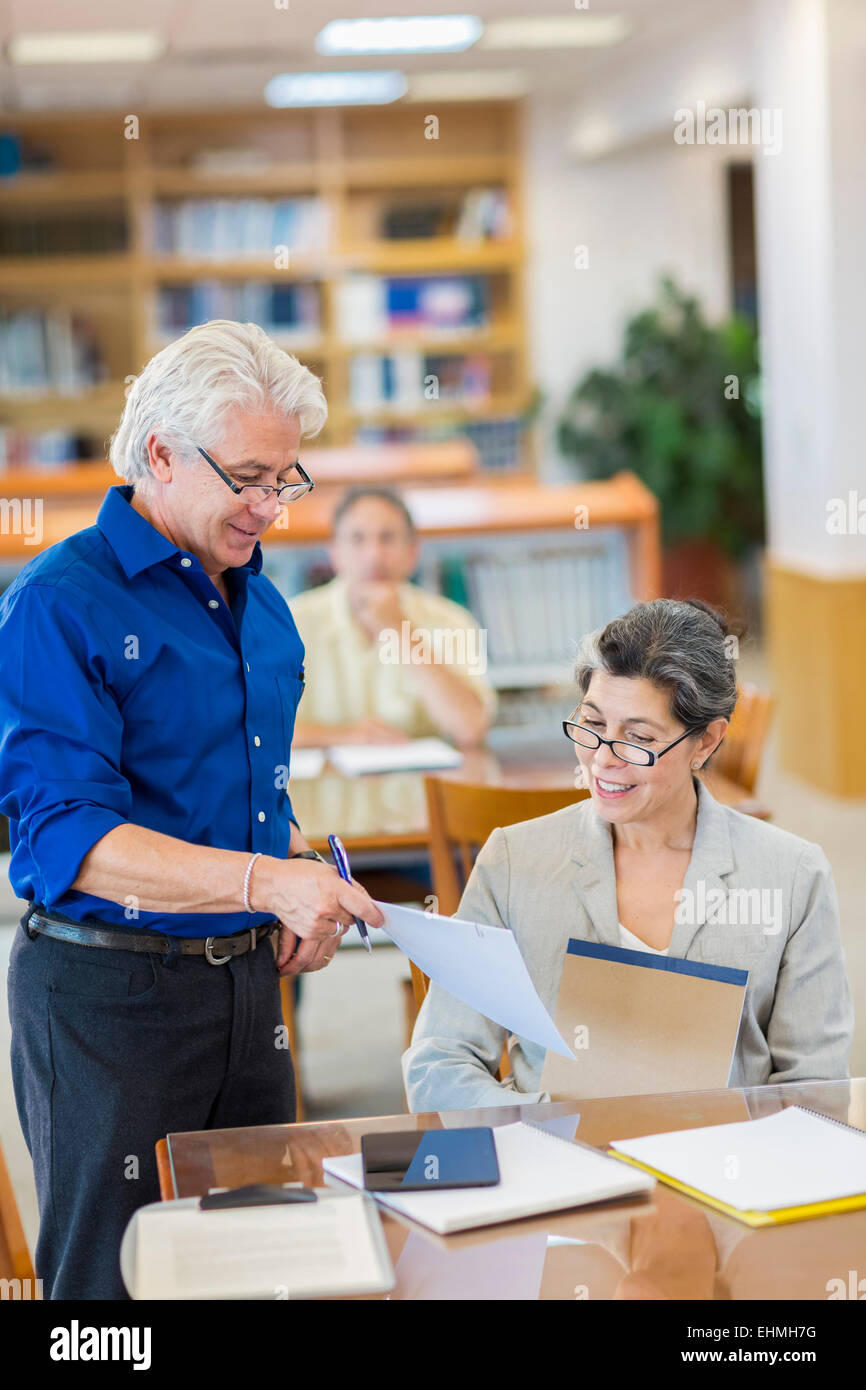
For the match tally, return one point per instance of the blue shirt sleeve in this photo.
(62, 732)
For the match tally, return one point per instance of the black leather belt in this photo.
(218, 950)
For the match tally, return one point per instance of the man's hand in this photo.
(315, 908)
(377, 606)
(372, 730)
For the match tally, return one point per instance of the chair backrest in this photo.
(739, 756)
(15, 1262)
(462, 817)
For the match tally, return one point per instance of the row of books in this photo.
(408, 379)
(43, 448)
(481, 214)
(278, 308)
(47, 351)
(229, 228)
(536, 708)
(370, 306)
(537, 606)
(498, 441)
(85, 234)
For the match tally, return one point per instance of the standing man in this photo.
(149, 681)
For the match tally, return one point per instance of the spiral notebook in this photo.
(785, 1167)
(539, 1172)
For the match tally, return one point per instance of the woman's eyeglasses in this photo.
(251, 493)
(627, 752)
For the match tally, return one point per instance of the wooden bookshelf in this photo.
(393, 464)
(470, 507)
(357, 161)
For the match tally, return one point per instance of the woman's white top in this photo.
(634, 943)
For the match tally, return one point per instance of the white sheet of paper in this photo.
(479, 964)
(310, 1250)
(306, 763)
(353, 759)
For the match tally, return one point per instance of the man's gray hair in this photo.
(189, 388)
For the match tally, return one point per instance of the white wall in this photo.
(603, 169)
(655, 208)
(811, 208)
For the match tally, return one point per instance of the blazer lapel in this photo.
(712, 857)
(594, 879)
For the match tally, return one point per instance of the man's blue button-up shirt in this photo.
(130, 692)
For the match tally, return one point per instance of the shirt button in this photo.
(257, 741)
(186, 562)
(261, 815)
(248, 666)
(213, 603)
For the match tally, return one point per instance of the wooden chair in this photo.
(15, 1261)
(163, 1171)
(462, 817)
(739, 756)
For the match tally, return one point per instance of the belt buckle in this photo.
(209, 955)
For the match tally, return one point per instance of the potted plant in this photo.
(682, 411)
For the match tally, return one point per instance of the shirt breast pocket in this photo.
(290, 688)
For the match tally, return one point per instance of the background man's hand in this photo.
(377, 606)
(372, 730)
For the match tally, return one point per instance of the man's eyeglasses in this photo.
(251, 493)
(627, 752)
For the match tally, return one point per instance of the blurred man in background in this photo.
(385, 659)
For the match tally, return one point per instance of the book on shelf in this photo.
(536, 606)
(233, 228)
(45, 351)
(72, 234)
(43, 448)
(371, 306)
(484, 216)
(279, 308)
(436, 301)
(481, 214)
(407, 379)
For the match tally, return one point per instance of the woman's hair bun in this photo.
(715, 613)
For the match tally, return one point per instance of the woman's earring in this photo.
(695, 766)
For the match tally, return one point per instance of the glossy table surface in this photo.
(660, 1246)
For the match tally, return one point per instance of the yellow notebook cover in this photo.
(752, 1218)
(811, 1164)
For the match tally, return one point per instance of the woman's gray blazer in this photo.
(754, 897)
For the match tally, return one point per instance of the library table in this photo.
(660, 1246)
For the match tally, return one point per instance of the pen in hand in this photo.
(341, 859)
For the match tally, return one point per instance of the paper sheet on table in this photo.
(354, 759)
(479, 964)
(305, 764)
(318, 1249)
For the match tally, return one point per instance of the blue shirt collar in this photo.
(136, 543)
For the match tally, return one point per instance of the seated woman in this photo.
(634, 864)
